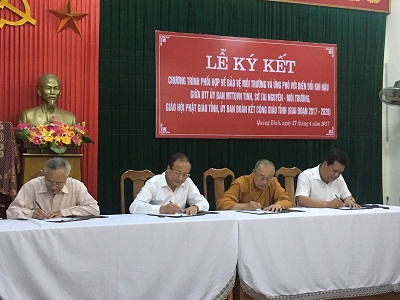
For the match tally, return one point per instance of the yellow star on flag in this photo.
(68, 18)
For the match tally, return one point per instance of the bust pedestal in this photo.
(34, 158)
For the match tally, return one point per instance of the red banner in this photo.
(227, 87)
(372, 5)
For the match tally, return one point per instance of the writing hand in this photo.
(170, 208)
(253, 205)
(334, 203)
(39, 214)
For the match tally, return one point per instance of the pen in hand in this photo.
(179, 211)
(340, 199)
(38, 205)
(39, 214)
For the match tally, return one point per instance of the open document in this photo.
(72, 219)
(182, 215)
(267, 212)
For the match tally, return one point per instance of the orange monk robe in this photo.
(243, 190)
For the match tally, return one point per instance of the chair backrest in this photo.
(37, 174)
(219, 176)
(289, 174)
(138, 179)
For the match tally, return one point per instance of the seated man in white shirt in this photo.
(324, 185)
(53, 195)
(168, 193)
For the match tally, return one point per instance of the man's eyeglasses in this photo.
(59, 184)
(179, 173)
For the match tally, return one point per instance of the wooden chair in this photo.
(289, 174)
(37, 174)
(219, 176)
(138, 179)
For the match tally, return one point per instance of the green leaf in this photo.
(86, 139)
(57, 149)
(23, 134)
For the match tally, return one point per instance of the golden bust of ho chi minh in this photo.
(49, 89)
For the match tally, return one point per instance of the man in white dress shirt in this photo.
(324, 185)
(169, 192)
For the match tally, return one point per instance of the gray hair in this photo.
(57, 163)
(264, 162)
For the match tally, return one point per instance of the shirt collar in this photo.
(252, 185)
(164, 179)
(316, 173)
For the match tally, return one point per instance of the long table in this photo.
(313, 254)
(119, 257)
(320, 253)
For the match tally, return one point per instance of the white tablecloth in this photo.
(119, 257)
(316, 254)
(320, 253)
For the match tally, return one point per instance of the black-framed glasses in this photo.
(179, 173)
(58, 183)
